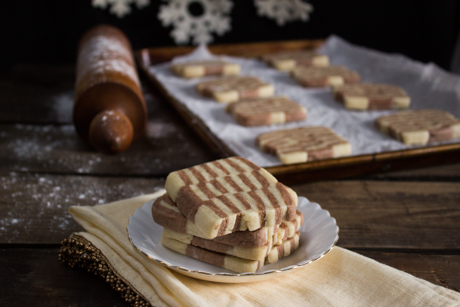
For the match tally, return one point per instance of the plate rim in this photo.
(234, 275)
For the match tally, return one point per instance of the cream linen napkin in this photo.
(342, 278)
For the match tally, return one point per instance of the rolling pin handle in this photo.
(111, 132)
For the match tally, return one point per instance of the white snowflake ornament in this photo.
(284, 10)
(212, 18)
(120, 7)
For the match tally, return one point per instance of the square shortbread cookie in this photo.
(231, 89)
(371, 96)
(288, 60)
(230, 195)
(197, 69)
(324, 76)
(266, 111)
(419, 127)
(303, 144)
(166, 214)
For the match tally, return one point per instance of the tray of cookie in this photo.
(312, 110)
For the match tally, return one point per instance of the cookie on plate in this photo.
(288, 60)
(166, 214)
(303, 144)
(284, 249)
(266, 111)
(241, 200)
(197, 69)
(324, 76)
(419, 127)
(231, 89)
(372, 96)
(232, 263)
(251, 253)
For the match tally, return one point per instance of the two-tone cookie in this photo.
(419, 127)
(166, 214)
(213, 212)
(284, 249)
(266, 111)
(372, 96)
(197, 69)
(232, 263)
(236, 202)
(303, 144)
(241, 248)
(231, 89)
(288, 60)
(324, 76)
(251, 253)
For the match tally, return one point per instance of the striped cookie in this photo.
(419, 127)
(283, 250)
(288, 60)
(288, 229)
(166, 214)
(303, 144)
(368, 96)
(231, 263)
(324, 76)
(266, 111)
(217, 214)
(247, 197)
(251, 253)
(235, 173)
(231, 89)
(197, 69)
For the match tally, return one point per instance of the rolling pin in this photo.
(109, 110)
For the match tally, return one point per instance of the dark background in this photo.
(47, 31)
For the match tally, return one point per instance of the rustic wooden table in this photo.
(409, 220)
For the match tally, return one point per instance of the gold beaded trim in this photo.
(78, 252)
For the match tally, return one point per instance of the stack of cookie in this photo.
(230, 213)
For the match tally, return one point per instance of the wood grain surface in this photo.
(407, 219)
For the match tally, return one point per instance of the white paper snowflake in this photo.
(213, 18)
(284, 10)
(120, 7)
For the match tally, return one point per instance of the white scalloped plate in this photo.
(318, 236)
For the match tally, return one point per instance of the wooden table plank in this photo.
(29, 279)
(40, 94)
(35, 277)
(442, 270)
(166, 148)
(370, 214)
(381, 214)
(34, 207)
(450, 172)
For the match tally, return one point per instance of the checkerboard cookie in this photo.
(239, 201)
(266, 111)
(231, 89)
(303, 144)
(371, 96)
(197, 69)
(324, 76)
(232, 263)
(230, 246)
(283, 250)
(419, 127)
(251, 253)
(166, 214)
(288, 60)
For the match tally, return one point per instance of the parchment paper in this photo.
(427, 85)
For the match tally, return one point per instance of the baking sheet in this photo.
(428, 86)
